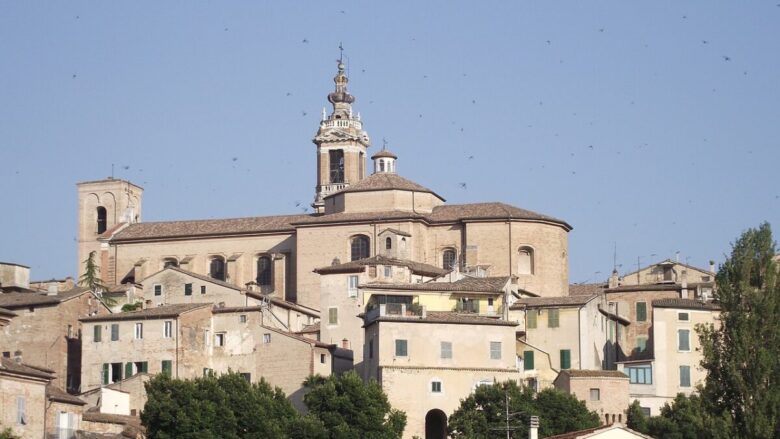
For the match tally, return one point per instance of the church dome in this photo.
(384, 154)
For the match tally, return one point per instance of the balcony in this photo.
(327, 189)
(342, 123)
(396, 310)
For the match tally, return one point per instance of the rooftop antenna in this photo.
(614, 257)
(112, 171)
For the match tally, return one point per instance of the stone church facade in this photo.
(356, 215)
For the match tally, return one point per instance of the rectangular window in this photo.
(388, 271)
(446, 349)
(219, 339)
(530, 319)
(141, 367)
(266, 338)
(371, 348)
(528, 360)
(188, 289)
(157, 290)
(436, 386)
(21, 413)
(116, 372)
(641, 311)
(104, 374)
(114, 331)
(247, 376)
(565, 359)
(684, 340)
(685, 376)
(595, 394)
(333, 316)
(97, 332)
(553, 318)
(352, 286)
(128, 370)
(242, 318)
(202, 289)
(168, 329)
(640, 374)
(139, 331)
(207, 371)
(322, 359)
(495, 350)
(401, 348)
(683, 316)
(167, 367)
(641, 343)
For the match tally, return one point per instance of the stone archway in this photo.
(435, 425)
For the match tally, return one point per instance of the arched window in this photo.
(217, 268)
(525, 260)
(449, 259)
(264, 273)
(170, 262)
(102, 219)
(359, 247)
(336, 158)
(388, 243)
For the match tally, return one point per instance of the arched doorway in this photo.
(435, 425)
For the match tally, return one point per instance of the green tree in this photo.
(741, 355)
(128, 307)
(91, 279)
(483, 413)
(225, 406)
(7, 433)
(350, 408)
(686, 418)
(635, 419)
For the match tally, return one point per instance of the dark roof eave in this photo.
(119, 240)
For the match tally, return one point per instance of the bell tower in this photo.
(341, 144)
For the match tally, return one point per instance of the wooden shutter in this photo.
(528, 360)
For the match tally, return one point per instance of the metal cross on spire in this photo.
(384, 144)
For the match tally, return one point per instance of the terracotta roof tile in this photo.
(586, 289)
(10, 365)
(14, 300)
(360, 264)
(467, 284)
(7, 312)
(215, 227)
(641, 288)
(576, 373)
(685, 304)
(54, 393)
(533, 302)
(158, 312)
(446, 317)
(310, 329)
(494, 210)
(383, 182)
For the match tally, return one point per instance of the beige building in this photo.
(43, 328)
(561, 333)
(23, 398)
(356, 216)
(429, 361)
(603, 391)
(675, 367)
(613, 431)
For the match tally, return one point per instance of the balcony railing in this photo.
(327, 189)
(396, 310)
(342, 123)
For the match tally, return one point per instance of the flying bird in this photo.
(235, 159)
(305, 41)
(471, 157)
(726, 58)
(462, 185)
(304, 113)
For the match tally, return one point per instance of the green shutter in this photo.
(144, 367)
(96, 333)
(553, 320)
(530, 319)
(565, 359)
(166, 367)
(188, 289)
(641, 311)
(128, 370)
(685, 376)
(528, 360)
(105, 373)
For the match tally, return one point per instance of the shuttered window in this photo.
(530, 319)
(114, 331)
(105, 373)
(167, 367)
(97, 332)
(495, 350)
(684, 340)
(553, 318)
(565, 359)
(641, 311)
(333, 316)
(685, 376)
(401, 348)
(528, 360)
(446, 349)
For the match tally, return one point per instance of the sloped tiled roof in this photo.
(310, 329)
(295, 336)
(14, 300)
(447, 317)
(576, 373)
(10, 365)
(384, 181)
(586, 289)
(493, 210)
(158, 312)
(534, 302)
(641, 288)
(685, 304)
(7, 312)
(358, 265)
(215, 227)
(54, 393)
(467, 284)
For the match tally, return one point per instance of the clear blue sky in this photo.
(650, 125)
